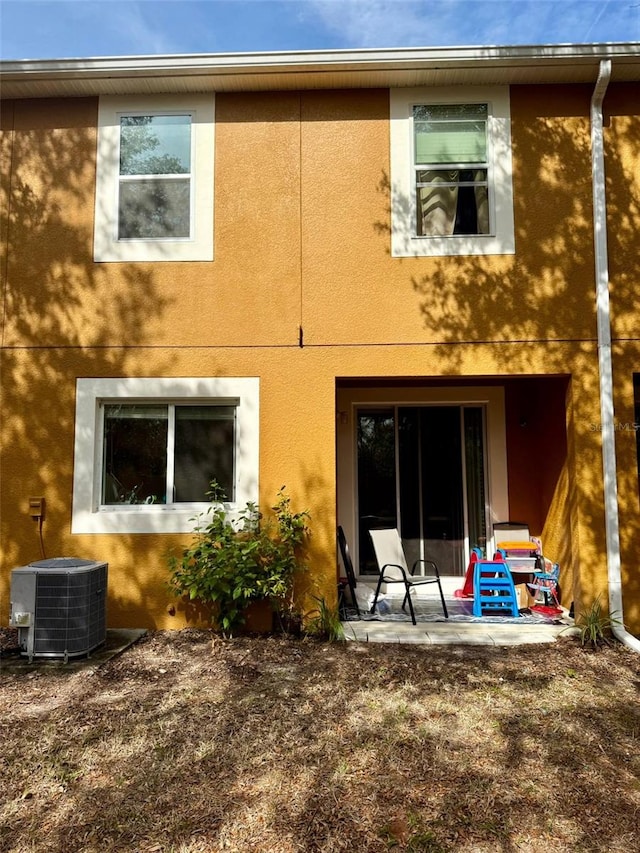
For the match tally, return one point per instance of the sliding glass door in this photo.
(422, 469)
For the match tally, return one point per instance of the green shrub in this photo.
(595, 625)
(229, 565)
(324, 622)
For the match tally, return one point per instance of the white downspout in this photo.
(612, 528)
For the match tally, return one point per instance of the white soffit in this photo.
(316, 70)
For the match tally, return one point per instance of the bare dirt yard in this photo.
(190, 743)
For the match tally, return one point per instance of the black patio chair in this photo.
(348, 569)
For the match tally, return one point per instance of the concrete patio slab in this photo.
(440, 633)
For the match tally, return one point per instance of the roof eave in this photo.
(316, 69)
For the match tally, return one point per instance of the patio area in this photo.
(392, 625)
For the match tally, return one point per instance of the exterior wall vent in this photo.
(59, 607)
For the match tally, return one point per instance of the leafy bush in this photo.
(229, 565)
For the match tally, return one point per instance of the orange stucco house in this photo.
(404, 283)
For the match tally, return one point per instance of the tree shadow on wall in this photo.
(64, 316)
(537, 308)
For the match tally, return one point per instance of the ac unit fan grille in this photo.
(70, 611)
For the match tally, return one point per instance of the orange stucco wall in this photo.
(302, 240)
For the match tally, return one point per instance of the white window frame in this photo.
(107, 247)
(404, 240)
(90, 516)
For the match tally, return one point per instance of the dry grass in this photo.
(274, 746)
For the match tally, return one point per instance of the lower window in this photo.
(159, 454)
(147, 451)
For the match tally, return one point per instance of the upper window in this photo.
(147, 451)
(451, 172)
(450, 154)
(154, 185)
(154, 182)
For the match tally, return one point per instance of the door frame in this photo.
(348, 399)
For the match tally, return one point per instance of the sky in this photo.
(35, 29)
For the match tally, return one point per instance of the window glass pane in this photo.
(410, 481)
(444, 112)
(442, 497)
(204, 451)
(452, 177)
(452, 201)
(450, 133)
(135, 454)
(376, 479)
(155, 145)
(475, 477)
(154, 208)
(451, 142)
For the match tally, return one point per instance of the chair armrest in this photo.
(427, 563)
(394, 566)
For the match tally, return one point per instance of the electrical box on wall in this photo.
(36, 507)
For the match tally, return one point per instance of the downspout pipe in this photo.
(603, 318)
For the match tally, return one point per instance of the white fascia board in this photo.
(309, 59)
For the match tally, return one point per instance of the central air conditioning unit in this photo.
(59, 607)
